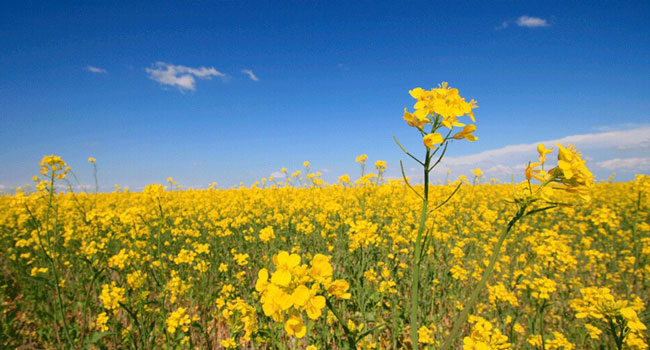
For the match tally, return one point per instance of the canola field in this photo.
(554, 262)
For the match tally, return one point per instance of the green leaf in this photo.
(95, 337)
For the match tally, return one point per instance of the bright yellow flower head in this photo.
(54, 166)
(178, 319)
(112, 296)
(466, 133)
(100, 323)
(321, 269)
(294, 326)
(267, 234)
(543, 152)
(431, 140)
(425, 335)
(572, 173)
(339, 288)
(442, 104)
(415, 121)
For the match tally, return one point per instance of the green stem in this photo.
(487, 274)
(635, 246)
(53, 260)
(612, 328)
(541, 324)
(346, 330)
(416, 261)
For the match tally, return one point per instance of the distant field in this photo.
(332, 266)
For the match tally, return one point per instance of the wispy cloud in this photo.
(343, 67)
(278, 174)
(623, 126)
(524, 21)
(625, 139)
(94, 69)
(181, 77)
(503, 25)
(626, 148)
(531, 22)
(250, 74)
(630, 164)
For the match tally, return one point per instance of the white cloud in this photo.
(94, 69)
(250, 74)
(505, 169)
(343, 67)
(625, 139)
(278, 174)
(624, 126)
(626, 147)
(531, 22)
(632, 164)
(181, 77)
(503, 25)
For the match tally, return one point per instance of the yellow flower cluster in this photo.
(267, 234)
(229, 343)
(136, 279)
(600, 306)
(380, 165)
(441, 106)
(241, 316)
(425, 334)
(142, 255)
(571, 174)
(362, 234)
(500, 293)
(38, 270)
(178, 319)
(484, 336)
(100, 322)
(176, 287)
(54, 166)
(294, 288)
(112, 296)
(119, 260)
(185, 256)
(541, 288)
(558, 342)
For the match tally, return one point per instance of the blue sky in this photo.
(234, 91)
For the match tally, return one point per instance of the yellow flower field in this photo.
(555, 262)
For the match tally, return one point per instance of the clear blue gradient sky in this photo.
(78, 79)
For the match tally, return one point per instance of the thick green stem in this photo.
(541, 324)
(416, 257)
(53, 262)
(635, 246)
(346, 330)
(416, 277)
(618, 341)
(487, 274)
